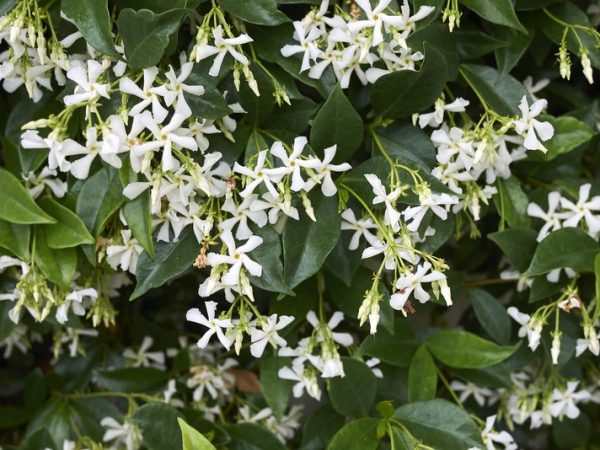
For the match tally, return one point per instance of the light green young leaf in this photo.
(567, 247)
(193, 439)
(17, 206)
(422, 376)
(68, 231)
(92, 19)
(465, 350)
(337, 123)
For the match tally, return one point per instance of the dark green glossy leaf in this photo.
(511, 202)
(15, 238)
(268, 255)
(518, 244)
(500, 12)
(304, 257)
(320, 428)
(396, 349)
(509, 55)
(403, 93)
(491, 315)
(422, 376)
(100, 196)
(210, 105)
(569, 133)
(249, 436)
(159, 426)
(172, 259)
(68, 231)
(337, 123)
(259, 12)
(440, 424)
(139, 221)
(146, 35)
(353, 394)
(275, 390)
(93, 21)
(59, 265)
(567, 247)
(360, 434)
(132, 379)
(465, 350)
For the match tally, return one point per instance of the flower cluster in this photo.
(370, 41)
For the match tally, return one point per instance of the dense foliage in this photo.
(264, 224)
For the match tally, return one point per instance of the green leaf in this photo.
(404, 141)
(6, 6)
(569, 133)
(92, 19)
(268, 255)
(68, 231)
(567, 247)
(422, 376)
(396, 349)
(502, 94)
(500, 12)
(518, 244)
(52, 418)
(294, 117)
(100, 196)
(172, 259)
(146, 35)
(304, 257)
(465, 350)
(12, 417)
(405, 92)
(597, 274)
(320, 428)
(192, 439)
(137, 216)
(41, 438)
(210, 105)
(17, 206)
(440, 424)
(360, 434)
(491, 315)
(509, 55)
(353, 394)
(475, 44)
(87, 413)
(131, 379)
(275, 390)
(249, 436)
(6, 325)
(258, 108)
(439, 37)
(259, 12)
(572, 433)
(15, 238)
(159, 425)
(337, 123)
(511, 202)
(58, 265)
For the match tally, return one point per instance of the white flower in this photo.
(532, 129)
(411, 282)
(76, 300)
(251, 208)
(87, 88)
(324, 169)
(93, 147)
(532, 328)
(213, 324)
(268, 334)
(590, 341)
(360, 227)
(125, 255)
(467, 389)
(47, 177)
(371, 363)
(392, 216)
(293, 163)
(146, 94)
(583, 209)
(237, 258)
(145, 358)
(376, 19)
(307, 44)
(436, 118)
(551, 218)
(428, 201)
(564, 402)
(304, 380)
(259, 175)
(344, 339)
(123, 435)
(221, 48)
(174, 89)
(490, 438)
